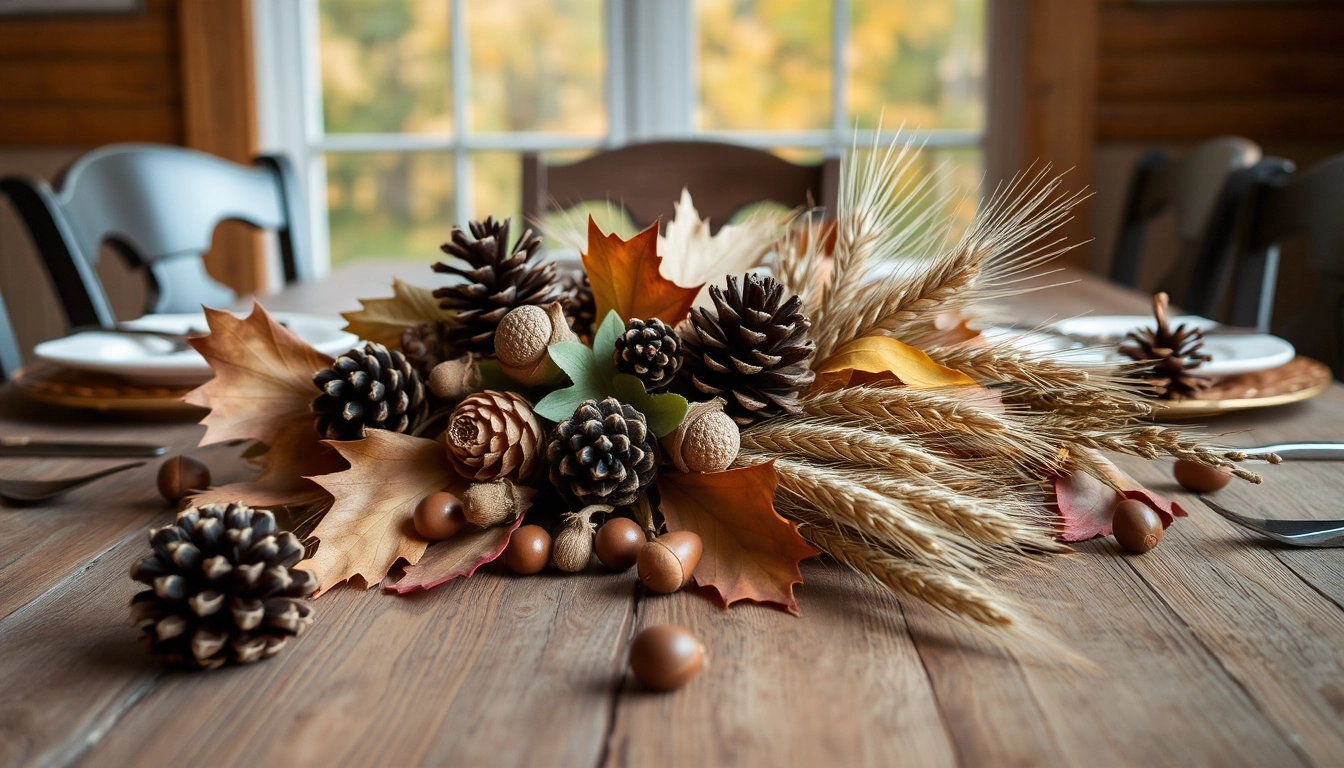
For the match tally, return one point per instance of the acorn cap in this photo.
(707, 440)
(522, 338)
(495, 503)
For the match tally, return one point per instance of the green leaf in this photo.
(576, 360)
(604, 345)
(664, 412)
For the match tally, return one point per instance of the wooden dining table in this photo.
(1217, 648)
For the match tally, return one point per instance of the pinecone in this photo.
(497, 281)
(223, 587)
(494, 434)
(1175, 354)
(649, 350)
(751, 349)
(603, 454)
(578, 303)
(368, 389)
(425, 346)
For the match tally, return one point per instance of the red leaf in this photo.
(1086, 503)
(460, 555)
(751, 553)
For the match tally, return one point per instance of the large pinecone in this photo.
(603, 454)
(578, 302)
(425, 346)
(497, 280)
(222, 587)
(370, 388)
(1174, 355)
(752, 349)
(649, 350)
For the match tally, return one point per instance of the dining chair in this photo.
(1286, 205)
(1204, 190)
(10, 361)
(158, 207)
(647, 179)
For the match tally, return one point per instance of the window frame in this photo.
(652, 93)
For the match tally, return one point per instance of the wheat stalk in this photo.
(825, 440)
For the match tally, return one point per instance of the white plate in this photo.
(150, 360)
(1233, 354)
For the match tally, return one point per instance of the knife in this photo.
(1302, 451)
(27, 446)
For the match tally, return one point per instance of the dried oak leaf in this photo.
(873, 359)
(625, 277)
(1086, 504)
(383, 320)
(261, 390)
(457, 556)
(693, 256)
(371, 522)
(750, 551)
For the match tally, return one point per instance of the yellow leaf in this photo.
(625, 277)
(873, 358)
(383, 320)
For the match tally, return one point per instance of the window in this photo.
(411, 115)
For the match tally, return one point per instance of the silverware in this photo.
(1299, 533)
(1302, 451)
(37, 490)
(27, 446)
(179, 341)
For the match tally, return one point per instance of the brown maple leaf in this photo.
(370, 525)
(625, 276)
(750, 551)
(457, 556)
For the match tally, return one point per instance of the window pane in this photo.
(385, 65)
(764, 64)
(921, 62)
(497, 179)
(538, 65)
(389, 204)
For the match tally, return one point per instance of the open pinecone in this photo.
(603, 454)
(649, 350)
(370, 388)
(425, 346)
(1175, 354)
(497, 280)
(222, 587)
(578, 302)
(752, 349)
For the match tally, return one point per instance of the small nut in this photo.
(529, 550)
(523, 337)
(455, 379)
(1135, 526)
(666, 564)
(179, 476)
(1201, 478)
(439, 516)
(666, 656)
(618, 543)
(707, 440)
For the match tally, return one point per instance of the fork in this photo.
(1298, 533)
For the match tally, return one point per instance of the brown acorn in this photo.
(666, 564)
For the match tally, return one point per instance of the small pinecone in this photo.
(578, 303)
(649, 350)
(1174, 355)
(368, 389)
(603, 454)
(222, 587)
(425, 346)
(752, 349)
(497, 280)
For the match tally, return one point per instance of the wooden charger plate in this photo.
(68, 388)
(1295, 381)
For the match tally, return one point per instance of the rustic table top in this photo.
(1214, 649)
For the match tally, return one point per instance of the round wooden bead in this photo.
(1201, 478)
(180, 475)
(529, 550)
(439, 515)
(1136, 527)
(618, 543)
(666, 656)
(666, 564)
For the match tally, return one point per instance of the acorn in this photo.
(1136, 527)
(707, 440)
(180, 476)
(523, 337)
(666, 656)
(666, 563)
(439, 515)
(1201, 478)
(455, 379)
(529, 550)
(496, 502)
(574, 543)
(618, 543)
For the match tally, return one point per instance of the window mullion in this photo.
(839, 72)
(459, 77)
(659, 62)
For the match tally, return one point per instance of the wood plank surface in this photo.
(110, 79)
(89, 124)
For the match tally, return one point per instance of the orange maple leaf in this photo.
(370, 525)
(625, 276)
(751, 552)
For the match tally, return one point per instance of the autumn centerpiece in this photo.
(705, 406)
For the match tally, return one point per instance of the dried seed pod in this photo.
(494, 434)
(522, 338)
(666, 564)
(707, 440)
(496, 503)
(666, 656)
(574, 544)
(180, 475)
(456, 379)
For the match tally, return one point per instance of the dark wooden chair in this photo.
(647, 179)
(1308, 204)
(158, 206)
(1205, 190)
(10, 361)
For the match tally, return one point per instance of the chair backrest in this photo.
(1203, 189)
(10, 361)
(1285, 205)
(647, 179)
(158, 206)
